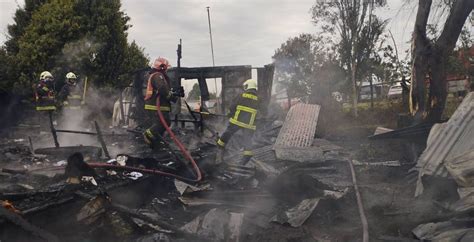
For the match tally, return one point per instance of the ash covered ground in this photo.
(268, 199)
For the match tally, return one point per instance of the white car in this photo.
(395, 91)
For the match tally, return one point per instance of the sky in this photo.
(245, 32)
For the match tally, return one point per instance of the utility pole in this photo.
(179, 51)
(212, 47)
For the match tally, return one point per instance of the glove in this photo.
(177, 92)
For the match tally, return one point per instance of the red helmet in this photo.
(161, 64)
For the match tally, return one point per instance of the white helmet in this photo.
(46, 74)
(250, 84)
(70, 75)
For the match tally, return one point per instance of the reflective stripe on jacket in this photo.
(74, 101)
(45, 98)
(246, 109)
(157, 87)
(154, 108)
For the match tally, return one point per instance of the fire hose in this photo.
(180, 145)
(185, 152)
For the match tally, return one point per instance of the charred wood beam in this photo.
(134, 213)
(48, 205)
(18, 220)
(86, 132)
(13, 171)
(75, 132)
(21, 195)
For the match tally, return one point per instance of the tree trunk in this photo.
(438, 88)
(432, 59)
(371, 92)
(443, 48)
(420, 54)
(355, 97)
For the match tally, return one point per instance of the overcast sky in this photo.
(244, 31)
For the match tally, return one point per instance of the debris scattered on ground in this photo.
(448, 141)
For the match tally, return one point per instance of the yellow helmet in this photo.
(250, 84)
(46, 74)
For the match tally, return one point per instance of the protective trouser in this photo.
(247, 135)
(44, 120)
(155, 132)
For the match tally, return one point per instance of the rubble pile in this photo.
(124, 198)
(446, 173)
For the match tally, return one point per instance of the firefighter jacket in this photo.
(244, 110)
(71, 96)
(158, 86)
(45, 97)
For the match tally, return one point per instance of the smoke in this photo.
(76, 56)
(82, 119)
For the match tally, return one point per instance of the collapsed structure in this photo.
(115, 189)
(88, 196)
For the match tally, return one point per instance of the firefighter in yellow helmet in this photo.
(158, 89)
(71, 94)
(44, 93)
(243, 115)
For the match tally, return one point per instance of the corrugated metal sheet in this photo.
(297, 134)
(448, 140)
(299, 127)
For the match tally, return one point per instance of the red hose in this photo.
(153, 171)
(142, 170)
(158, 172)
(181, 147)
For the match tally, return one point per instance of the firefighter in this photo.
(158, 88)
(71, 98)
(243, 114)
(45, 98)
(44, 93)
(71, 94)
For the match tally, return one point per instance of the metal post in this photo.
(53, 130)
(32, 150)
(179, 52)
(122, 111)
(212, 46)
(101, 140)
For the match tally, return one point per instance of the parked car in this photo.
(395, 91)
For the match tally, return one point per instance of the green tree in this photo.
(195, 92)
(358, 29)
(4, 70)
(307, 65)
(88, 37)
(53, 24)
(22, 19)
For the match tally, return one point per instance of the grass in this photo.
(386, 112)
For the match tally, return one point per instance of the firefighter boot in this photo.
(247, 155)
(220, 156)
(220, 151)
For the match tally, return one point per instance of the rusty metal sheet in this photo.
(448, 141)
(297, 134)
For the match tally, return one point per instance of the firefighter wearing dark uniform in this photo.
(243, 115)
(44, 93)
(71, 95)
(158, 87)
